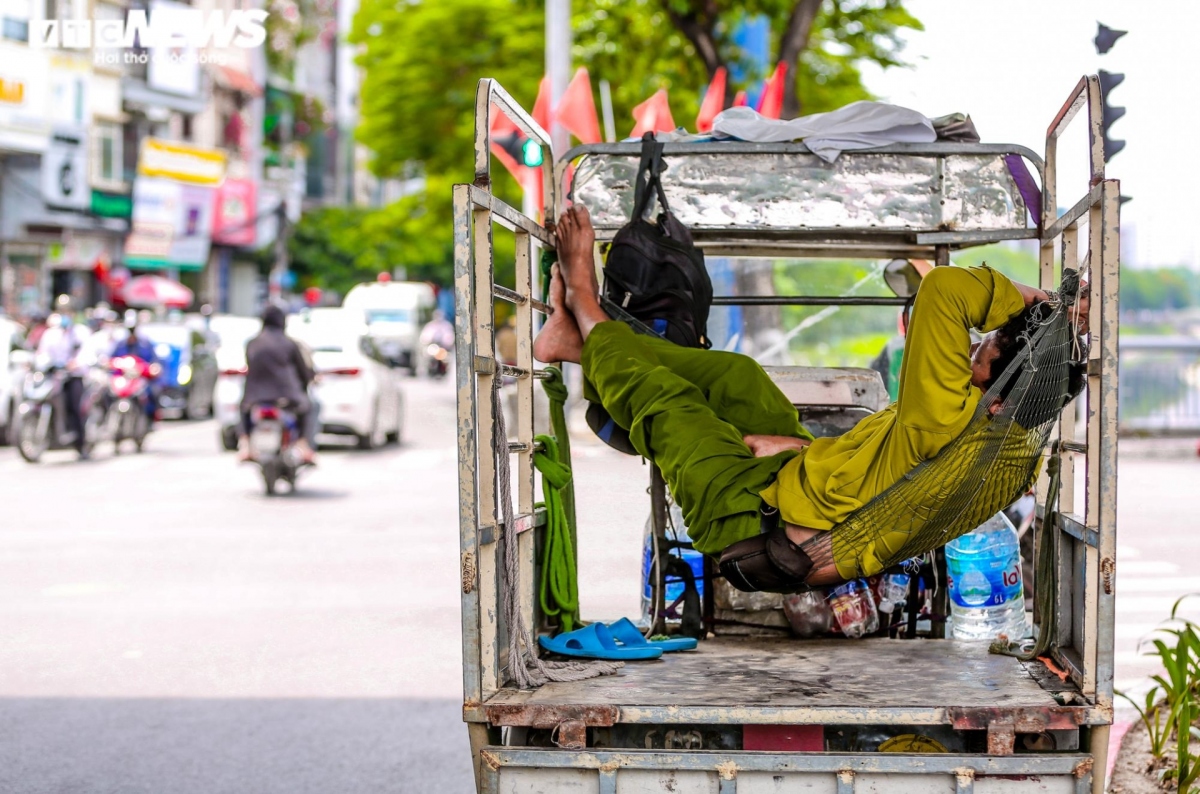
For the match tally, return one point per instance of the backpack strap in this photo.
(649, 174)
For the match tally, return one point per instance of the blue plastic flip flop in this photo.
(628, 635)
(595, 642)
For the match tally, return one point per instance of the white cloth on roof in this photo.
(859, 125)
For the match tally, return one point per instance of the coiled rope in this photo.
(528, 671)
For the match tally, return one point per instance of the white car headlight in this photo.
(185, 373)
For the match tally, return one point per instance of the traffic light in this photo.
(522, 150)
(1109, 81)
(1106, 37)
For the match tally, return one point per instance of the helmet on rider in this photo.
(273, 317)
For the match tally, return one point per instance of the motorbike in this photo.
(273, 433)
(437, 360)
(42, 415)
(129, 400)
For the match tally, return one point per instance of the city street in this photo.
(164, 626)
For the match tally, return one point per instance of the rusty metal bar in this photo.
(985, 236)
(521, 373)
(964, 782)
(489, 94)
(1073, 764)
(1074, 526)
(813, 300)
(509, 217)
(1087, 90)
(465, 383)
(490, 533)
(512, 296)
(1071, 216)
(485, 365)
(1106, 288)
(525, 446)
(845, 781)
(940, 149)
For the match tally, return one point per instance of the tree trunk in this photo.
(760, 324)
(699, 26)
(793, 42)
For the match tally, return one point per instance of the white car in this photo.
(232, 334)
(358, 392)
(14, 363)
(394, 312)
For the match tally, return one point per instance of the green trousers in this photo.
(687, 410)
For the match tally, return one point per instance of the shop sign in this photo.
(64, 171)
(181, 162)
(172, 225)
(12, 92)
(112, 205)
(233, 223)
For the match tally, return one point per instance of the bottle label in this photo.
(986, 581)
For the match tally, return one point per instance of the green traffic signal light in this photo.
(531, 153)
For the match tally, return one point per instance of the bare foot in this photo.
(576, 243)
(559, 339)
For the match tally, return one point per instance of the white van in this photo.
(395, 312)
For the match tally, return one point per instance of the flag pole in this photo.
(558, 66)
(606, 109)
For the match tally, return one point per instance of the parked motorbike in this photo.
(273, 433)
(437, 360)
(42, 415)
(129, 400)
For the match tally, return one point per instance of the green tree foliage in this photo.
(423, 61)
(337, 247)
(1160, 289)
(643, 45)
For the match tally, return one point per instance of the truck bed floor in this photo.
(917, 680)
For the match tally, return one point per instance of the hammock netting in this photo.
(985, 469)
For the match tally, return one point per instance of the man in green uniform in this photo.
(727, 440)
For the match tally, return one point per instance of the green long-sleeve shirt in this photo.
(833, 477)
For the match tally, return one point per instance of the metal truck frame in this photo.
(568, 736)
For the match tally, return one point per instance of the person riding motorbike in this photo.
(59, 348)
(438, 331)
(133, 344)
(276, 371)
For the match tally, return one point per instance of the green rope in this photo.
(556, 392)
(549, 259)
(559, 588)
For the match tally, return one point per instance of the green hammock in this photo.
(991, 463)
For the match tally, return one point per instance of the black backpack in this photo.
(654, 280)
(654, 273)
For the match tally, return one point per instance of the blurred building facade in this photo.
(179, 160)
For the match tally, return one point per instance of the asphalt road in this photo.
(165, 627)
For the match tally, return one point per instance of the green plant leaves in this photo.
(1172, 706)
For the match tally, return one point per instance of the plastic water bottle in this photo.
(986, 596)
(894, 588)
(854, 609)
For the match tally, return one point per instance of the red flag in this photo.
(541, 106)
(577, 109)
(653, 115)
(502, 131)
(739, 100)
(770, 104)
(714, 101)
